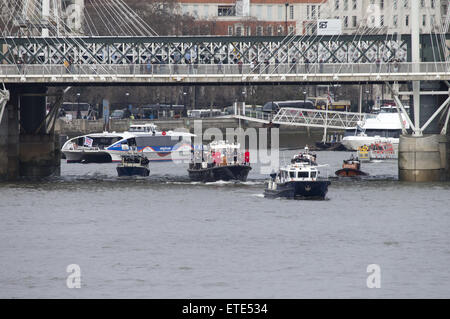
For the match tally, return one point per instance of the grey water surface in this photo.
(165, 237)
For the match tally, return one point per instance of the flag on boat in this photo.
(88, 141)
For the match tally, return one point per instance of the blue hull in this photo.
(299, 190)
(133, 171)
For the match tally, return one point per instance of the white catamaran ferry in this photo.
(384, 127)
(145, 138)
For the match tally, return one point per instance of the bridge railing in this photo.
(149, 70)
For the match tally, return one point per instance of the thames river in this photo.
(165, 237)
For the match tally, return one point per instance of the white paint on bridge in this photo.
(212, 74)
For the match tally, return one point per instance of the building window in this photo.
(345, 22)
(381, 20)
(307, 12)
(269, 30)
(280, 30)
(345, 5)
(407, 20)
(313, 12)
(382, 4)
(424, 20)
(405, 3)
(336, 4)
(318, 12)
(230, 30)
(291, 30)
(195, 11)
(372, 20)
(354, 21)
(259, 12)
(355, 5)
(259, 30)
(395, 21)
(433, 20)
(248, 31)
(238, 31)
(422, 3)
(395, 4)
(291, 12)
(433, 3)
(226, 11)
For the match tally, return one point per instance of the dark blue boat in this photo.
(133, 165)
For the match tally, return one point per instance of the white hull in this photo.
(353, 142)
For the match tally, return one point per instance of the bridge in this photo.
(220, 60)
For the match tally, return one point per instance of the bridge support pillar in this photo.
(424, 159)
(26, 148)
(9, 140)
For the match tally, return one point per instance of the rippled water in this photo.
(165, 237)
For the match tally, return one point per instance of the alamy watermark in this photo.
(374, 279)
(74, 279)
(262, 144)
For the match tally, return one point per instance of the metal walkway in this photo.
(222, 74)
(305, 117)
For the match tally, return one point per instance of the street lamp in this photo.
(286, 18)
(367, 100)
(304, 98)
(78, 107)
(185, 104)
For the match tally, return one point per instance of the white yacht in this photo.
(384, 127)
(144, 138)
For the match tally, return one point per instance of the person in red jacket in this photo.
(247, 157)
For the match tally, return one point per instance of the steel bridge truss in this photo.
(205, 50)
(319, 118)
(305, 117)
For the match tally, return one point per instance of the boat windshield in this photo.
(97, 142)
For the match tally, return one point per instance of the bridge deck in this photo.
(173, 73)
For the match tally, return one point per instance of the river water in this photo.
(165, 237)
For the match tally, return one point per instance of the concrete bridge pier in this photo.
(27, 147)
(425, 157)
(9, 141)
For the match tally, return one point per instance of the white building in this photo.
(270, 17)
(381, 16)
(253, 17)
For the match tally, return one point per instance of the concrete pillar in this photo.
(39, 155)
(424, 159)
(39, 152)
(32, 108)
(9, 139)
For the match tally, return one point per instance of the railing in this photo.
(319, 118)
(155, 70)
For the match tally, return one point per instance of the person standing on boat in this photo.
(247, 157)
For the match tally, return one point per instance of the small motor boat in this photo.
(133, 165)
(351, 168)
